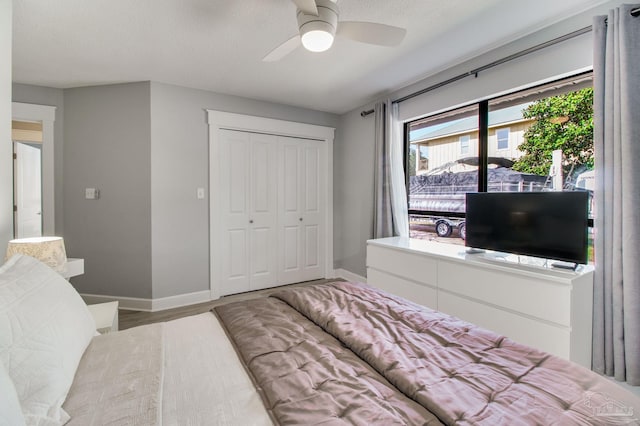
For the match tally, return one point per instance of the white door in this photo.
(247, 227)
(263, 217)
(28, 190)
(301, 207)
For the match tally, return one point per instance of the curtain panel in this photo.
(391, 214)
(616, 310)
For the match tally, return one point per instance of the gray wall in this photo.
(52, 97)
(108, 146)
(145, 146)
(179, 165)
(6, 149)
(353, 172)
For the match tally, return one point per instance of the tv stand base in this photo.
(565, 265)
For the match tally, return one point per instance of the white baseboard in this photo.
(163, 303)
(127, 303)
(151, 305)
(180, 300)
(349, 276)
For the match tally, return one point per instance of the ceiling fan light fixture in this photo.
(316, 38)
(318, 31)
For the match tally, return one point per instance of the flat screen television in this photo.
(551, 225)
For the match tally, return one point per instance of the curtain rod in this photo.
(475, 71)
(635, 12)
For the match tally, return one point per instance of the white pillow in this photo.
(10, 413)
(44, 329)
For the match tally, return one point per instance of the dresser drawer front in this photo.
(547, 300)
(415, 292)
(406, 265)
(547, 337)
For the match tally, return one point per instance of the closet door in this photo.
(248, 191)
(301, 210)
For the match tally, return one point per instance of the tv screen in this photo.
(551, 225)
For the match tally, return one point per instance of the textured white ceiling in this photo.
(218, 45)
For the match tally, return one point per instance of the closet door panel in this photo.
(301, 204)
(289, 200)
(233, 258)
(263, 210)
(312, 210)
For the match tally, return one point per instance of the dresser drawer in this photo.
(547, 337)
(413, 267)
(547, 300)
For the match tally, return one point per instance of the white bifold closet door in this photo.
(272, 209)
(301, 209)
(248, 177)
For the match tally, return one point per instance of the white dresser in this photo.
(519, 297)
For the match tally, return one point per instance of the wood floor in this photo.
(128, 319)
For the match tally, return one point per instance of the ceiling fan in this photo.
(318, 25)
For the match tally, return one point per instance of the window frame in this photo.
(483, 135)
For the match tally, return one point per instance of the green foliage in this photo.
(548, 133)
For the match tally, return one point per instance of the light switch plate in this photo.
(200, 193)
(91, 193)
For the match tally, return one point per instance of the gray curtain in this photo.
(383, 217)
(616, 304)
(391, 215)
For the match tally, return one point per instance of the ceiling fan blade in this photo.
(372, 33)
(283, 50)
(307, 6)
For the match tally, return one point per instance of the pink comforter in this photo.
(456, 371)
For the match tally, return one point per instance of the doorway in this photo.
(27, 189)
(33, 148)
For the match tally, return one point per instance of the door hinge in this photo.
(15, 156)
(15, 208)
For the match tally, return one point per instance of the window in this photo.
(449, 139)
(502, 135)
(543, 141)
(464, 144)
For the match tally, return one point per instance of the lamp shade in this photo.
(48, 250)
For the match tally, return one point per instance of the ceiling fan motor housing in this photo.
(326, 20)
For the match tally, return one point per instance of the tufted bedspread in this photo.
(346, 353)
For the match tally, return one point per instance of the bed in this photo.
(334, 353)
